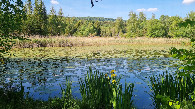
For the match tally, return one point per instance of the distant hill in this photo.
(95, 18)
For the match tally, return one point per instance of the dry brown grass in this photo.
(90, 41)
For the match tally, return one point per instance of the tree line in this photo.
(38, 22)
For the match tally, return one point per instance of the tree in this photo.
(141, 24)
(43, 19)
(11, 15)
(119, 26)
(39, 18)
(28, 22)
(132, 25)
(174, 28)
(164, 20)
(191, 16)
(155, 28)
(61, 23)
(53, 23)
(153, 16)
(97, 28)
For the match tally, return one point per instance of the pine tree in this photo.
(53, 23)
(61, 22)
(28, 22)
(36, 19)
(43, 19)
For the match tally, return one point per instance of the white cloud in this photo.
(141, 10)
(188, 1)
(55, 2)
(147, 10)
(152, 9)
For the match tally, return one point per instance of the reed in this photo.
(100, 91)
(169, 88)
(90, 41)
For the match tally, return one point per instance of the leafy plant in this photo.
(100, 91)
(188, 58)
(168, 88)
(176, 91)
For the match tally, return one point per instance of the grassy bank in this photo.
(90, 41)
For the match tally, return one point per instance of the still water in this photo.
(45, 72)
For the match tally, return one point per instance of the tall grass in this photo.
(89, 41)
(169, 89)
(100, 91)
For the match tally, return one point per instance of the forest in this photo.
(38, 22)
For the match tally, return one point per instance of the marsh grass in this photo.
(173, 89)
(99, 91)
(91, 41)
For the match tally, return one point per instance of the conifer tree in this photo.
(36, 18)
(61, 22)
(43, 18)
(28, 22)
(53, 23)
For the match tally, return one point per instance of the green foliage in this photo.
(188, 58)
(66, 101)
(61, 23)
(37, 22)
(191, 16)
(10, 100)
(142, 24)
(119, 26)
(132, 25)
(155, 28)
(13, 98)
(53, 23)
(177, 91)
(99, 91)
(11, 15)
(168, 88)
(28, 22)
(39, 18)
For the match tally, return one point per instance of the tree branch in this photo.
(92, 4)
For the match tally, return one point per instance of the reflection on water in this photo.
(42, 77)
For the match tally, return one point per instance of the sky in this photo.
(121, 8)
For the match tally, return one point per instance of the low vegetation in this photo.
(96, 41)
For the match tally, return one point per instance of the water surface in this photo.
(43, 71)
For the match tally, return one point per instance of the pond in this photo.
(43, 71)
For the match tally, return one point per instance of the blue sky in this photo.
(121, 8)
